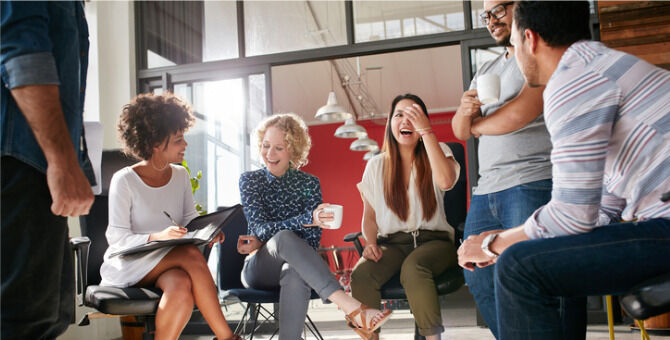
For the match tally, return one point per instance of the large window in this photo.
(378, 20)
(281, 26)
(227, 110)
(186, 32)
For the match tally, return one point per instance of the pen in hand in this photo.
(171, 219)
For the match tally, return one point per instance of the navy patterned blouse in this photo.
(272, 204)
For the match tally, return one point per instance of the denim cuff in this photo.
(32, 69)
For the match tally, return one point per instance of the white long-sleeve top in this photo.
(136, 211)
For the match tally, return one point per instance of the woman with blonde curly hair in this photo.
(152, 129)
(284, 210)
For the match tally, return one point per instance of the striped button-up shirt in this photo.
(608, 114)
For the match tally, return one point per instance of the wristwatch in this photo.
(485, 245)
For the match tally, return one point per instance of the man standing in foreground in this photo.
(514, 165)
(608, 114)
(43, 67)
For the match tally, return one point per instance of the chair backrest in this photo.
(456, 199)
(230, 261)
(94, 224)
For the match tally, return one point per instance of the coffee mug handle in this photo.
(316, 215)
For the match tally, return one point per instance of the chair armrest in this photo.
(80, 246)
(459, 231)
(355, 238)
(648, 299)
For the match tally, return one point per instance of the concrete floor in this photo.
(459, 319)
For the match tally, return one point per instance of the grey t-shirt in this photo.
(516, 158)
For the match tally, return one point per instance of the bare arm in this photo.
(70, 190)
(512, 116)
(369, 226)
(468, 109)
(443, 168)
(470, 253)
(369, 222)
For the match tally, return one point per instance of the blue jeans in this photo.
(609, 260)
(504, 210)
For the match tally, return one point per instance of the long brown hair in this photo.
(395, 193)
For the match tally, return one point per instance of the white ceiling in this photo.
(433, 74)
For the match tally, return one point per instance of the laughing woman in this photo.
(284, 210)
(404, 223)
(152, 128)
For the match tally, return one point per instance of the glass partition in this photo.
(227, 110)
(281, 26)
(379, 20)
(186, 32)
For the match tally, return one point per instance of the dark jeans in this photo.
(609, 260)
(37, 268)
(504, 210)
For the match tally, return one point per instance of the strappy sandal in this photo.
(234, 337)
(364, 330)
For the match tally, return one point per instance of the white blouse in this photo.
(135, 211)
(372, 188)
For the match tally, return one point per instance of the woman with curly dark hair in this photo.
(152, 128)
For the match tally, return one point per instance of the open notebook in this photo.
(201, 230)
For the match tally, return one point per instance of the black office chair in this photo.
(89, 251)
(650, 298)
(455, 206)
(229, 281)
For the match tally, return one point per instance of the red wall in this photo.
(339, 169)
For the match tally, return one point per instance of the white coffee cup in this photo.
(488, 88)
(337, 211)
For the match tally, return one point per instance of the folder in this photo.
(202, 230)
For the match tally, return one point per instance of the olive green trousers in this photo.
(435, 253)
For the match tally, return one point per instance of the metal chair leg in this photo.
(643, 331)
(610, 316)
(253, 327)
(312, 328)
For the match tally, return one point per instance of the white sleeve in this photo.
(119, 230)
(371, 180)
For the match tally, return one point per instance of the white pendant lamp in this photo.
(332, 111)
(350, 130)
(364, 144)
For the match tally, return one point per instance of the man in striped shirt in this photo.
(608, 114)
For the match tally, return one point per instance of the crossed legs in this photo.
(185, 279)
(288, 261)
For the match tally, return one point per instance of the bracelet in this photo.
(424, 129)
(425, 133)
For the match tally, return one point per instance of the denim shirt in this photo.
(272, 204)
(43, 43)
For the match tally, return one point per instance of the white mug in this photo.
(488, 88)
(337, 211)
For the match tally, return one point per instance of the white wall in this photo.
(110, 85)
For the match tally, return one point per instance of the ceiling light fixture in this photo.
(332, 111)
(350, 130)
(364, 144)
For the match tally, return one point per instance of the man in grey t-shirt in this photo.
(514, 168)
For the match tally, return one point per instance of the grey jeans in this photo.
(288, 262)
